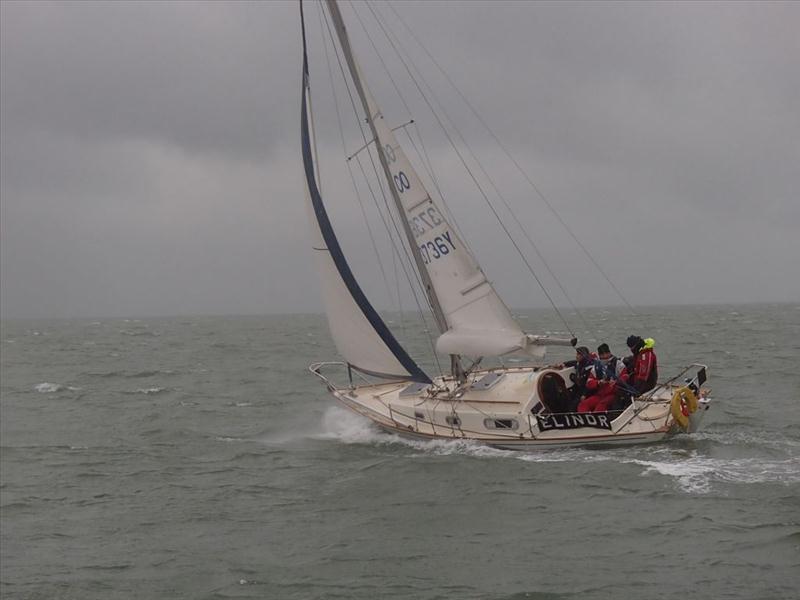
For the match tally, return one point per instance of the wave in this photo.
(135, 333)
(129, 375)
(51, 388)
(150, 391)
(48, 388)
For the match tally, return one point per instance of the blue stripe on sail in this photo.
(336, 251)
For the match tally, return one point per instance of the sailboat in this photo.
(514, 407)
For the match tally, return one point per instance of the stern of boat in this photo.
(693, 378)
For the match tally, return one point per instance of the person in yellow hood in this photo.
(644, 370)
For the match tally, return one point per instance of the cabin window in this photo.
(452, 420)
(512, 424)
(419, 415)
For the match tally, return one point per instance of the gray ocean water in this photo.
(197, 458)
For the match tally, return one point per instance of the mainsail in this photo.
(359, 333)
(471, 316)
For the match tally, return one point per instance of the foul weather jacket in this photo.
(645, 370)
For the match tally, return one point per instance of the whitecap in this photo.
(48, 388)
(149, 391)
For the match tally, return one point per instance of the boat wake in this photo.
(693, 472)
(699, 474)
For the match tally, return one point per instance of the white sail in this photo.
(473, 318)
(359, 333)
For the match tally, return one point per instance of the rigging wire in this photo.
(428, 167)
(504, 201)
(367, 143)
(432, 174)
(513, 160)
(469, 171)
(349, 169)
(386, 203)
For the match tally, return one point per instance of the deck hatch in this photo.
(413, 389)
(487, 381)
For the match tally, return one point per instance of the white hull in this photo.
(503, 408)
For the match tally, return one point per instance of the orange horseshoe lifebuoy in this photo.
(684, 403)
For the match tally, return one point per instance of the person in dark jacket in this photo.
(583, 364)
(644, 366)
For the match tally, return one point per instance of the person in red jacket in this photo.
(601, 385)
(644, 370)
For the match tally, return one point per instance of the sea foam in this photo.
(48, 388)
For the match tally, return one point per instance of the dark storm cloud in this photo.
(203, 76)
(150, 161)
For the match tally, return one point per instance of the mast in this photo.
(369, 105)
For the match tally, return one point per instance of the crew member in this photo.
(583, 364)
(644, 369)
(601, 385)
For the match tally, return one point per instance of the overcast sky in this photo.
(151, 163)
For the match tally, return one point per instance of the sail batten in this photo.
(360, 335)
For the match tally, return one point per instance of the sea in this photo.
(197, 457)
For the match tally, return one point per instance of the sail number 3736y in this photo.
(424, 222)
(438, 247)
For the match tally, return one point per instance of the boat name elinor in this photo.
(573, 421)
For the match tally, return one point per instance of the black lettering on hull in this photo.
(573, 421)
